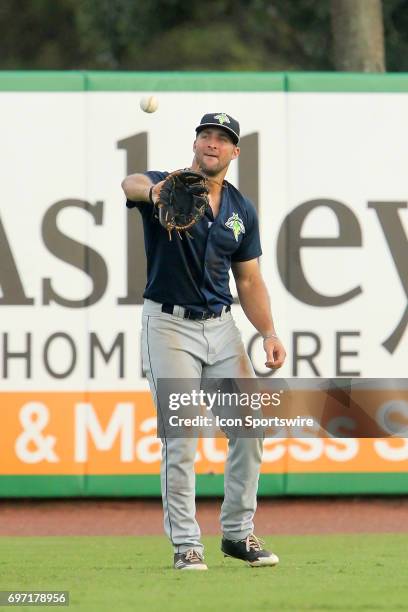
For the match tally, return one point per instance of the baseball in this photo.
(149, 104)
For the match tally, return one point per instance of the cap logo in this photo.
(223, 118)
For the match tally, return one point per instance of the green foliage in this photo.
(396, 34)
(38, 34)
(193, 48)
(180, 35)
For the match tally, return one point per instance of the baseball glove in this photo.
(183, 201)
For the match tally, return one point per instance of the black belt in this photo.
(194, 314)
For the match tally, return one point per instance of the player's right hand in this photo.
(156, 191)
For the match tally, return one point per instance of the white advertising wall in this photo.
(326, 170)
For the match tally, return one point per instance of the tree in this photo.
(222, 35)
(358, 35)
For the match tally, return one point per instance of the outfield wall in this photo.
(324, 160)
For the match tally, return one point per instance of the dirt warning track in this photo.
(144, 517)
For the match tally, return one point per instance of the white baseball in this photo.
(149, 104)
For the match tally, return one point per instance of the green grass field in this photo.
(349, 572)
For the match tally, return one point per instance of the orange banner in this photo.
(115, 433)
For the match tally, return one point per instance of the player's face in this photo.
(214, 150)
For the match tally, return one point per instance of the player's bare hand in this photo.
(275, 353)
(156, 191)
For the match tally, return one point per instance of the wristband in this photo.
(270, 336)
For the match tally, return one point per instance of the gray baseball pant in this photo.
(174, 347)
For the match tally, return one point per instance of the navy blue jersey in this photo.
(194, 272)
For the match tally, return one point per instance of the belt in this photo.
(194, 314)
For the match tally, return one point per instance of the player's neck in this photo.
(215, 183)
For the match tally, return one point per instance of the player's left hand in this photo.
(275, 353)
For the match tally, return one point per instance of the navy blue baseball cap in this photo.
(223, 121)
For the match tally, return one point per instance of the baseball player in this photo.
(188, 332)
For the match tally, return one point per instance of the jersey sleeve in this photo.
(145, 208)
(250, 247)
